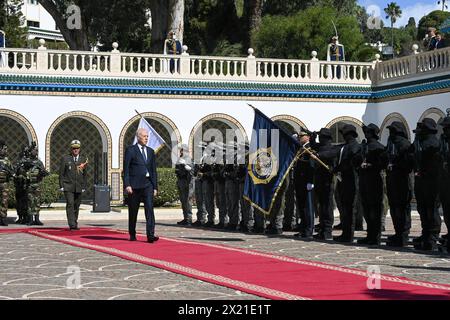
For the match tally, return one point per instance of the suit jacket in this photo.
(135, 169)
(70, 178)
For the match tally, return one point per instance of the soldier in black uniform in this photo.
(346, 170)
(323, 180)
(399, 183)
(184, 171)
(427, 165)
(304, 187)
(73, 182)
(444, 190)
(371, 161)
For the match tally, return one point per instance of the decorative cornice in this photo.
(137, 87)
(188, 89)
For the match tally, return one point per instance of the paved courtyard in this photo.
(35, 268)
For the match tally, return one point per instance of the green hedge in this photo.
(49, 188)
(167, 185)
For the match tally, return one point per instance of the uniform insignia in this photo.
(263, 166)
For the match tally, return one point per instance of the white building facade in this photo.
(53, 97)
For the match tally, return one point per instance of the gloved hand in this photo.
(310, 187)
(188, 168)
(83, 191)
(182, 161)
(62, 189)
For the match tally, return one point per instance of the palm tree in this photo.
(444, 6)
(393, 12)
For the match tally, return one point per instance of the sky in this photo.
(410, 8)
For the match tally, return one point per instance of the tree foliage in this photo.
(11, 21)
(296, 36)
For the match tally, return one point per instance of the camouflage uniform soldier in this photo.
(20, 184)
(6, 173)
(35, 172)
(183, 170)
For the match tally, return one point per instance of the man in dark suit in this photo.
(141, 184)
(72, 181)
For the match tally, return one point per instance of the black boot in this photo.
(29, 221)
(3, 222)
(37, 222)
(20, 220)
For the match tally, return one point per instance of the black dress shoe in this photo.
(133, 238)
(197, 223)
(74, 229)
(184, 223)
(152, 239)
(274, 231)
(209, 224)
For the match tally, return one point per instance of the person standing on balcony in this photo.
(439, 41)
(429, 42)
(172, 46)
(335, 53)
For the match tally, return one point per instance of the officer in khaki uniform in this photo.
(72, 181)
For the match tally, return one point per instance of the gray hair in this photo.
(141, 130)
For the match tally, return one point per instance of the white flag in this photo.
(154, 140)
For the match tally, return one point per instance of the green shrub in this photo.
(50, 190)
(167, 184)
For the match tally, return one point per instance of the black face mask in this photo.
(349, 137)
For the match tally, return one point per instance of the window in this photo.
(35, 24)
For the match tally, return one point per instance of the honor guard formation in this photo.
(362, 180)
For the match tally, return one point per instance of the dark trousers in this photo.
(324, 195)
(348, 201)
(305, 205)
(427, 206)
(73, 200)
(141, 195)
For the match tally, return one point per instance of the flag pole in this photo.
(165, 143)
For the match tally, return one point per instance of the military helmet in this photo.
(427, 125)
(349, 129)
(326, 133)
(373, 128)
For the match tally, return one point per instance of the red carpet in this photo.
(261, 274)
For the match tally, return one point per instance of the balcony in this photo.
(116, 64)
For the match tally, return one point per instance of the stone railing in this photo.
(418, 65)
(117, 64)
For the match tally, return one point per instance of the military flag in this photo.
(154, 140)
(273, 152)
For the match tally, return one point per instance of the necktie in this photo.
(143, 154)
